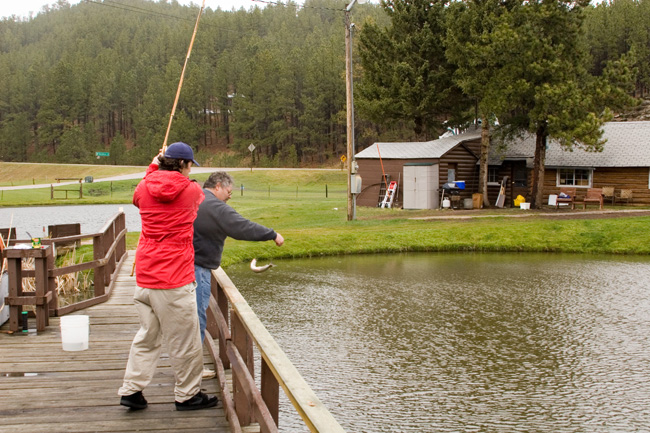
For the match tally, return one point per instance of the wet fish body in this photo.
(258, 269)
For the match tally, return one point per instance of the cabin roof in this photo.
(627, 145)
(416, 150)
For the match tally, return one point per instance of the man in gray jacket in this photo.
(214, 222)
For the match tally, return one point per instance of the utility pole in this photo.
(349, 105)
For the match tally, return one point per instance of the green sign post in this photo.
(98, 154)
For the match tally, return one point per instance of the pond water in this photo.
(464, 342)
(91, 217)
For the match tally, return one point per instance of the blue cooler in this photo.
(460, 184)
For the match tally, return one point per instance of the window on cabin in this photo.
(451, 172)
(574, 177)
(520, 176)
(493, 175)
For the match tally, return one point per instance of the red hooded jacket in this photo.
(168, 202)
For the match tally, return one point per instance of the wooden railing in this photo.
(109, 251)
(237, 328)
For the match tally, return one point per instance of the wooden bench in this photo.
(594, 195)
(571, 192)
(59, 179)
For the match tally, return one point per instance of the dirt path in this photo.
(541, 213)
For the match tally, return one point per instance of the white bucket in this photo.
(524, 206)
(74, 332)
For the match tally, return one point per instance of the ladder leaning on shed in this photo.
(236, 337)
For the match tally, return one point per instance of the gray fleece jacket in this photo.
(215, 221)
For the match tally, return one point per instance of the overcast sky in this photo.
(22, 8)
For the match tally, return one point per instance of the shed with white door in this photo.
(421, 185)
(419, 168)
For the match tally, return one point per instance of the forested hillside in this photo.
(101, 76)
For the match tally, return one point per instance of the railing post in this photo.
(212, 327)
(15, 268)
(51, 283)
(108, 239)
(222, 303)
(98, 254)
(42, 285)
(270, 389)
(120, 224)
(18, 298)
(244, 346)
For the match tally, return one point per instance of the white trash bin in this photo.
(75, 330)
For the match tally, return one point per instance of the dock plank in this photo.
(46, 389)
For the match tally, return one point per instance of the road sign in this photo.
(343, 158)
(251, 147)
(102, 154)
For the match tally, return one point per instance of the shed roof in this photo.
(628, 145)
(416, 150)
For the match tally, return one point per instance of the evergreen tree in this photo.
(474, 45)
(118, 150)
(549, 92)
(406, 74)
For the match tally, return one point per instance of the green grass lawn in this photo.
(317, 228)
(14, 174)
(294, 203)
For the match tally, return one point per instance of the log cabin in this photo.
(422, 168)
(624, 164)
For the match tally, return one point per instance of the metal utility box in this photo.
(355, 184)
(421, 186)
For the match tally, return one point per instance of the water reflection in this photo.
(464, 342)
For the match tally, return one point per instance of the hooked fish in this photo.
(256, 268)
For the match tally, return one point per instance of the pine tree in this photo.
(406, 76)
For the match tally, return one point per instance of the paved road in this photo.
(140, 175)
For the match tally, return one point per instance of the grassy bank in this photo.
(309, 209)
(329, 234)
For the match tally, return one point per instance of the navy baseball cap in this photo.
(180, 150)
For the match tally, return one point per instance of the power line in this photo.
(300, 6)
(132, 8)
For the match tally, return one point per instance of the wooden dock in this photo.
(46, 389)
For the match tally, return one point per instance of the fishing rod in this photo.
(180, 82)
(178, 93)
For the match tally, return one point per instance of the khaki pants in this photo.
(169, 315)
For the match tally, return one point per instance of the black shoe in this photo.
(199, 401)
(134, 401)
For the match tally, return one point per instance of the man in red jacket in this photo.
(165, 285)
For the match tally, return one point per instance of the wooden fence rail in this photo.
(231, 319)
(109, 250)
